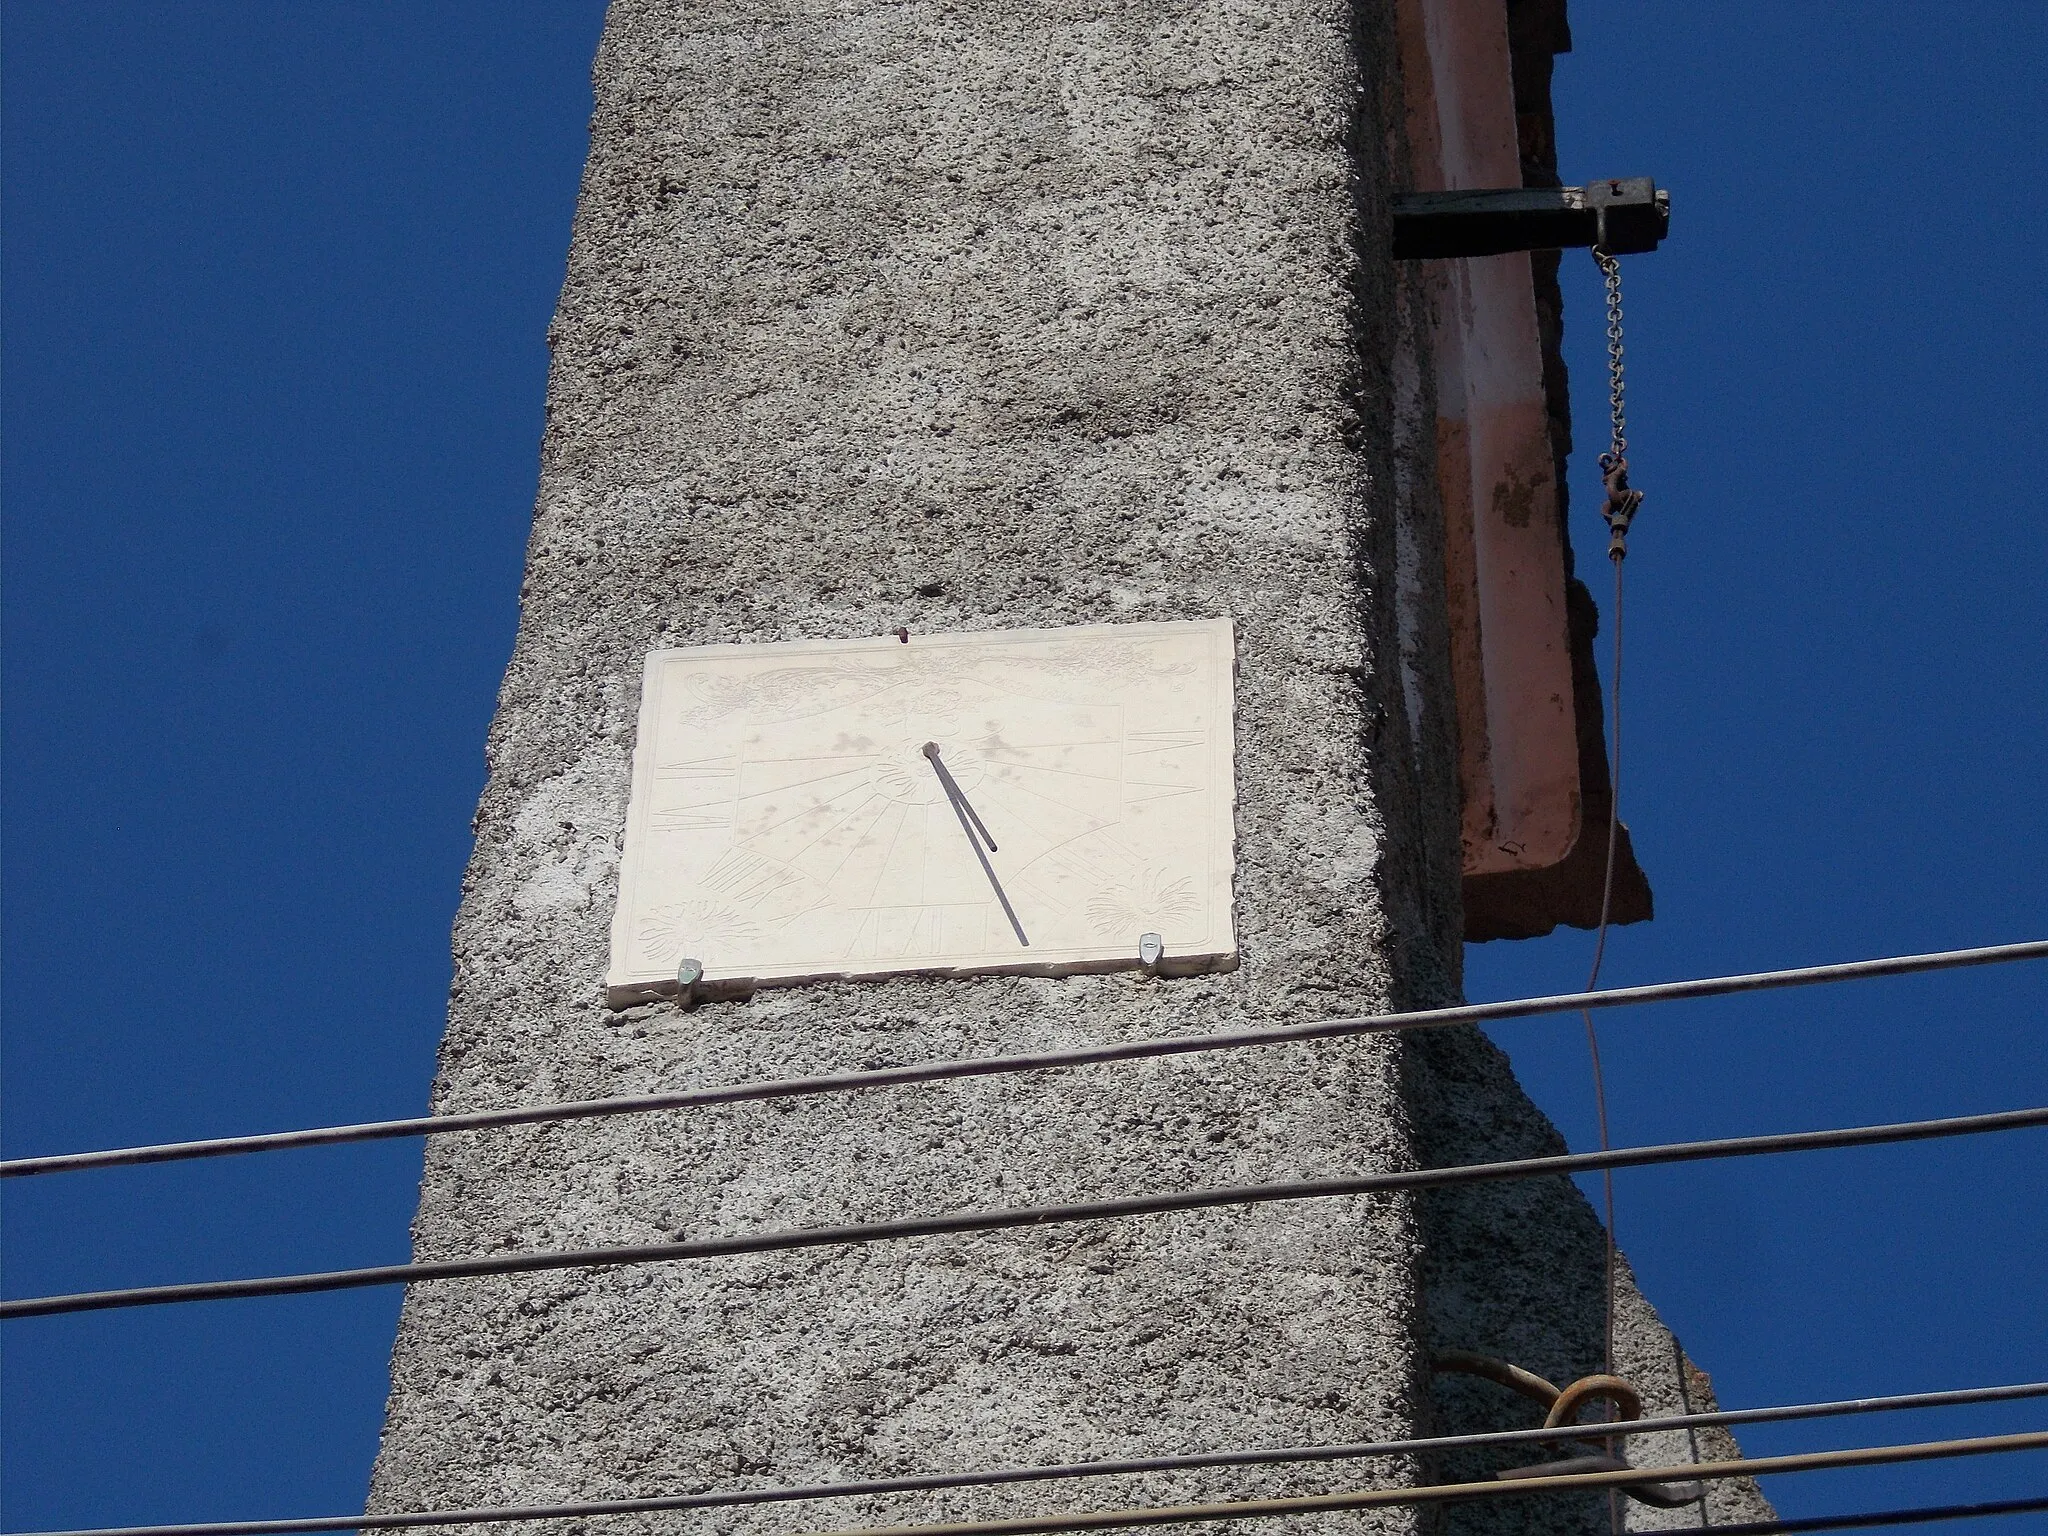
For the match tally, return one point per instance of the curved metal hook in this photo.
(1562, 1406)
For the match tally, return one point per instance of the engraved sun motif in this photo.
(902, 774)
(1141, 903)
(696, 928)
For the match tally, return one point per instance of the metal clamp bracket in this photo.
(1623, 217)
(1564, 1404)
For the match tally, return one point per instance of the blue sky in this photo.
(276, 286)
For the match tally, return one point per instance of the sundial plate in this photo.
(788, 825)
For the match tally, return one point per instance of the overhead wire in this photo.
(1133, 1466)
(1610, 1251)
(961, 1222)
(1034, 1061)
(1113, 1519)
(1600, 954)
(1449, 1493)
(1870, 1520)
(1619, 510)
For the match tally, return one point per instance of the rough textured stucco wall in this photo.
(948, 317)
(960, 316)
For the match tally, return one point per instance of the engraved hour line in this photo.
(1000, 750)
(970, 823)
(1078, 773)
(845, 818)
(902, 813)
(859, 841)
(1064, 856)
(1164, 741)
(750, 887)
(813, 757)
(1002, 793)
(1053, 839)
(696, 775)
(860, 766)
(864, 838)
(997, 788)
(802, 811)
(1091, 868)
(1159, 791)
(691, 820)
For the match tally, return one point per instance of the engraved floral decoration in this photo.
(700, 929)
(786, 692)
(811, 688)
(1147, 901)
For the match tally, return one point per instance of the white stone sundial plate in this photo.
(787, 824)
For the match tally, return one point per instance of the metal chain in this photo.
(1610, 269)
(1622, 502)
(1619, 510)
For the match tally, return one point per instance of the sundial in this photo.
(1041, 801)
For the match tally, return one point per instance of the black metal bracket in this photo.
(1623, 217)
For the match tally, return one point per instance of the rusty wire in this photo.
(1034, 1061)
(1619, 510)
(777, 1240)
(664, 1503)
(1447, 1493)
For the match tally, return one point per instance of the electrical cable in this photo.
(929, 1482)
(779, 1240)
(1038, 1061)
(1600, 951)
(1116, 1519)
(1446, 1493)
(1593, 976)
(1872, 1519)
(1619, 510)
